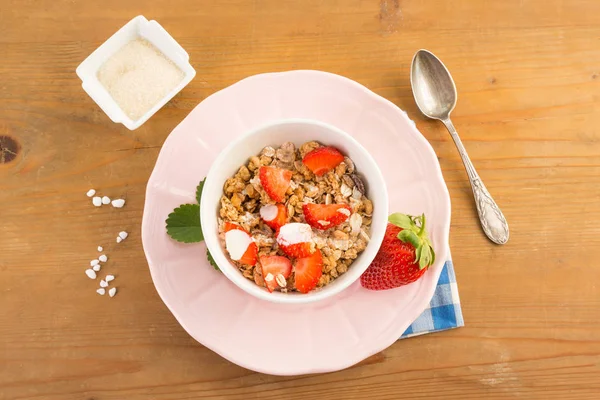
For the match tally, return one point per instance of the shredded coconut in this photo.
(249, 219)
(138, 76)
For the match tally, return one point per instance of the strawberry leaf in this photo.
(183, 224)
(408, 236)
(418, 253)
(199, 190)
(414, 232)
(425, 258)
(401, 220)
(211, 260)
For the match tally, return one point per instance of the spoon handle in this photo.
(492, 220)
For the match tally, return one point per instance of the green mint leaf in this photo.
(199, 190)
(408, 236)
(211, 260)
(401, 220)
(183, 224)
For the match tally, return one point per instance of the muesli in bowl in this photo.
(295, 219)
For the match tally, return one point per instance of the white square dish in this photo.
(154, 33)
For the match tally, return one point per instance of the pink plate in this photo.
(286, 339)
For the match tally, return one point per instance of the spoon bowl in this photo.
(432, 85)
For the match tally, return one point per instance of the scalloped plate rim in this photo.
(374, 349)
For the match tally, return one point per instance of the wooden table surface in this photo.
(528, 74)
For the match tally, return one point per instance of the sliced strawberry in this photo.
(274, 215)
(275, 181)
(273, 266)
(250, 256)
(325, 216)
(229, 226)
(307, 272)
(298, 250)
(233, 242)
(323, 159)
(295, 240)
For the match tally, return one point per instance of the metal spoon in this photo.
(435, 94)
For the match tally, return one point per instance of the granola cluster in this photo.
(243, 196)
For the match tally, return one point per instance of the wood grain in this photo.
(528, 74)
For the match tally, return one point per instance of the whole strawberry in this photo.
(404, 255)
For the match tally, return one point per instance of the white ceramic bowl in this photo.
(297, 131)
(154, 33)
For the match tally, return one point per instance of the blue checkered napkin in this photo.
(444, 309)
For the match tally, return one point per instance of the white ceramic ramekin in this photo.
(153, 33)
